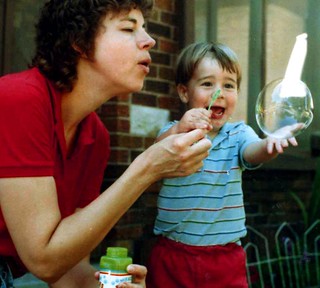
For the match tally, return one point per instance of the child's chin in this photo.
(218, 122)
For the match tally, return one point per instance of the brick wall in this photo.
(267, 196)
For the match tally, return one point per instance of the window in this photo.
(17, 33)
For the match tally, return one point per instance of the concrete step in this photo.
(30, 281)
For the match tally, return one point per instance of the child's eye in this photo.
(230, 86)
(207, 84)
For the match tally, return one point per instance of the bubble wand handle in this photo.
(214, 98)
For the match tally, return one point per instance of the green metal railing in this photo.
(291, 260)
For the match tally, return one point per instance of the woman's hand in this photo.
(177, 155)
(138, 273)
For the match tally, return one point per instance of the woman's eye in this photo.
(127, 29)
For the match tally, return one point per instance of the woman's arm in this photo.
(81, 275)
(50, 246)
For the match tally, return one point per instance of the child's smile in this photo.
(217, 112)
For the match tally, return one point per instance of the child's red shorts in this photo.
(176, 265)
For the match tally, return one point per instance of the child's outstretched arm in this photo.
(267, 149)
(196, 118)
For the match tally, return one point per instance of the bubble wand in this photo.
(214, 98)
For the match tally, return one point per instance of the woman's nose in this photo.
(147, 42)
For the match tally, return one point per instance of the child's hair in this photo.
(67, 28)
(191, 55)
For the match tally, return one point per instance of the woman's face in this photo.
(207, 78)
(121, 57)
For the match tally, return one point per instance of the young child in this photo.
(201, 217)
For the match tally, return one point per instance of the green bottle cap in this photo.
(117, 252)
(116, 259)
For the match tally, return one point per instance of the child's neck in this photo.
(212, 134)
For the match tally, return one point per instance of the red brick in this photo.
(153, 71)
(169, 18)
(117, 125)
(146, 99)
(167, 5)
(166, 73)
(126, 141)
(115, 109)
(148, 141)
(172, 103)
(119, 156)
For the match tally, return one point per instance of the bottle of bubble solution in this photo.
(113, 267)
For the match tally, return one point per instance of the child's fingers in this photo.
(279, 146)
(269, 146)
(284, 143)
(293, 141)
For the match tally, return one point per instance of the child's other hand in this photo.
(196, 118)
(289, 131)
(279, 144)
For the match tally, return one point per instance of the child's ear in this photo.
(183, 93)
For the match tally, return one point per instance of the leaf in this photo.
(302, 207)
(315, 196)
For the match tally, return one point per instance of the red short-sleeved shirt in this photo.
(32, 143)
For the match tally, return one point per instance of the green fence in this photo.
(290, 259)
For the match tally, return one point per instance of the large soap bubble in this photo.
(284, 108)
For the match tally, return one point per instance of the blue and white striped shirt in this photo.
(206, 208)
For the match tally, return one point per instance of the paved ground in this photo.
(29, 281)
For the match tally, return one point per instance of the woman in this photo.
(55, 148)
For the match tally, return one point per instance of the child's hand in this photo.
(196, 118)
(279, 144)
(289, 131)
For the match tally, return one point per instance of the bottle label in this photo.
(109, 279)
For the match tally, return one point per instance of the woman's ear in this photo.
(79, 51)
(183, 93)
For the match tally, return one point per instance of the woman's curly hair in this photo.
(66, 24)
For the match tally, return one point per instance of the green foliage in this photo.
(314, 205)
(311, 212)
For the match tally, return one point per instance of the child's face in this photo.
(207, 78)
